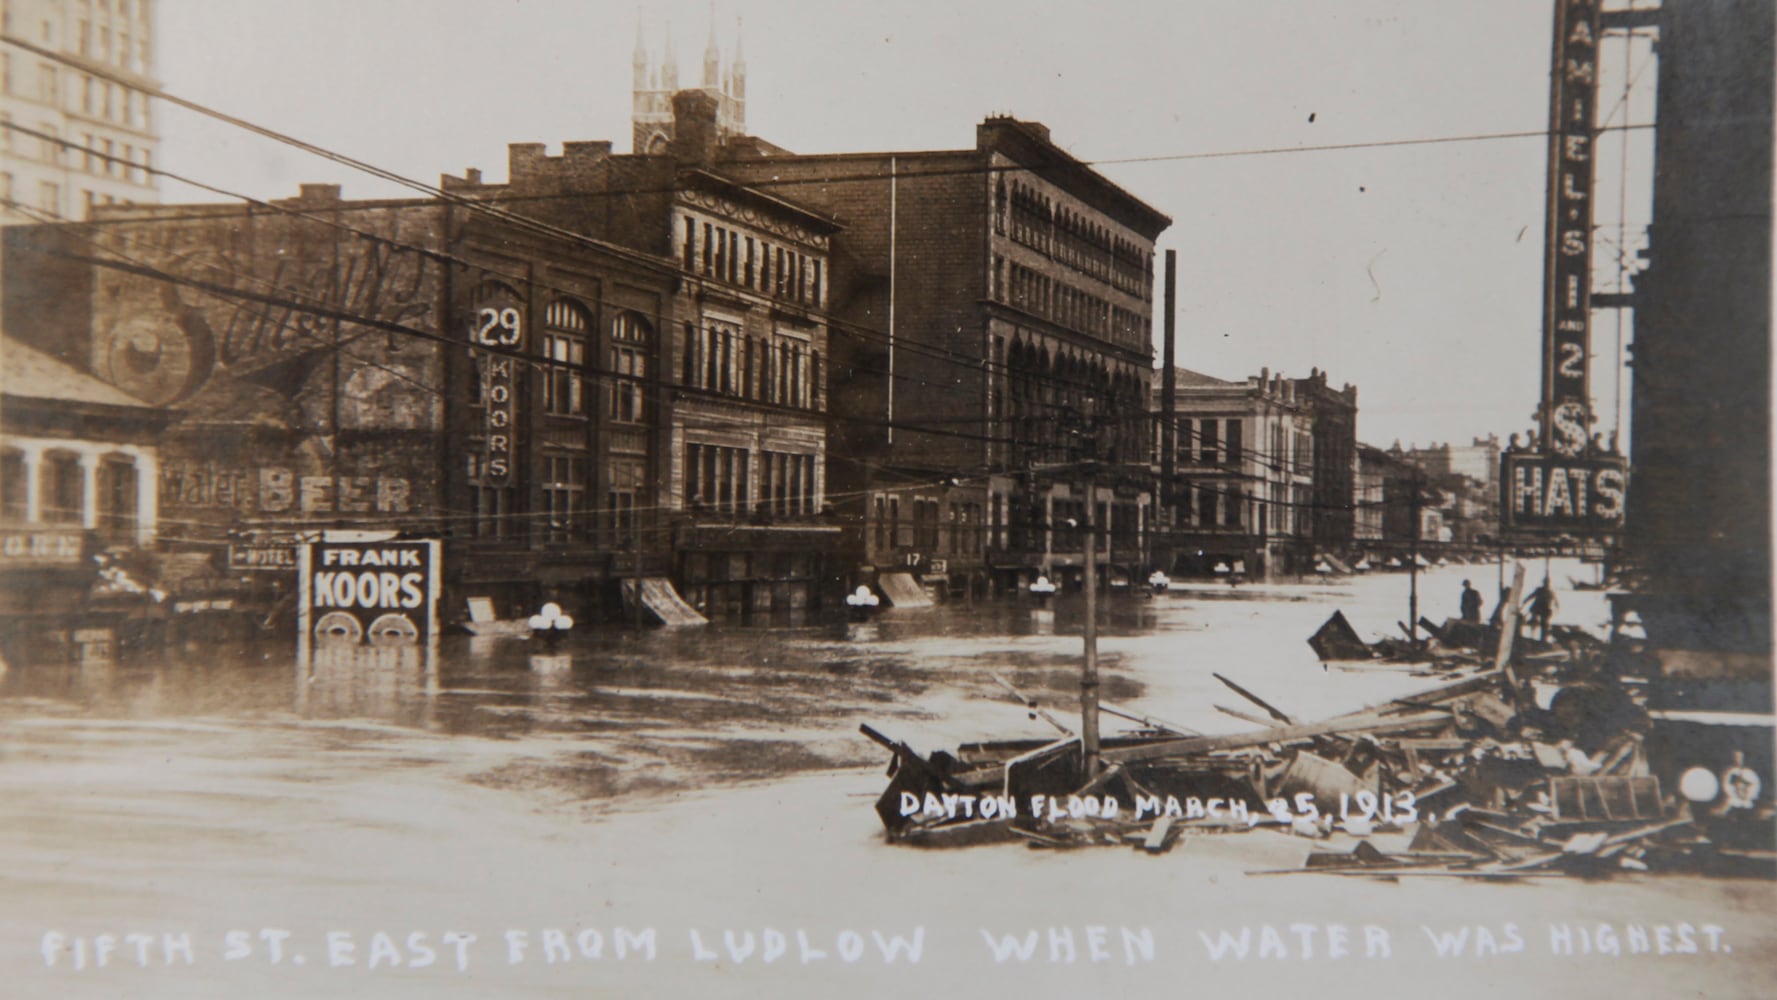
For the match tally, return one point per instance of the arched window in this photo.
(632, 339)
(565, 329)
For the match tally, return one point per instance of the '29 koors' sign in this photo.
(382, 592)
(496, 326)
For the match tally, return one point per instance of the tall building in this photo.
(654, 84)
(90, 124)
(726, 440)
(1332, 414)
(992, 330)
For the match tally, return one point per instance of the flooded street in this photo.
(591, 819)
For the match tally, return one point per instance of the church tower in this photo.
(652, 89)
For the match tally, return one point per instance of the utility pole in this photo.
(1089, 664)
(1413, 567)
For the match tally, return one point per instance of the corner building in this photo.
(992, 314)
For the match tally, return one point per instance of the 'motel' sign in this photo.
(1554, 495)
(384, 593)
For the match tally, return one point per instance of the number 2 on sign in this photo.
(1573, 358)
(497, 327)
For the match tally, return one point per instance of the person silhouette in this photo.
(1471, 603)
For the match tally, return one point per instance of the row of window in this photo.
(926, 529)
(120, 47)
(783, 370)
(565, 515)
(715, 251)
(1210, 441)
(562, 383)
(717, 479)
(98, 98)
(1061, 303)
(61, 495)
(1024, 214)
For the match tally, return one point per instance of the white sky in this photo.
(1412, 272)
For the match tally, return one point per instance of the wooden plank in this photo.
(1370, 724)
(1151, 721)
(1270, 709)
(1508, 627)
(1244, 716)
(1155, 841)
(1030, 703)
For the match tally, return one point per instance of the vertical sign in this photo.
(502, 327)
(1560, 484)
(1566, 413)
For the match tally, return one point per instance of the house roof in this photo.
(1186, 377)
(27, 373)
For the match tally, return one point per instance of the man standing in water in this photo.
(1471, 604)
(1541, 607)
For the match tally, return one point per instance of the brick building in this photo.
(733, 452)
(1332, 417)
(993, 312)
(306, 348)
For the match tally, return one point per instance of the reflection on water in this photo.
(756, 682)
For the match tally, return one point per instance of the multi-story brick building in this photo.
(993, 308)
(91, 128)
(1332, 417)
(738, 375)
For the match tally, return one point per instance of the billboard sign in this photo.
(356, 589)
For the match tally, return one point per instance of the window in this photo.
(46, 83)
(630, 341)
(49, 198)
(564, 347)
(12, 485)
(1206, 507)
(564, 496)
(64, 487)
(787, 484)
(1235, 503)
(1207, 444)
(716, 478)
(84, 39)
(716, 357)
(117, 496)
(1234, 442)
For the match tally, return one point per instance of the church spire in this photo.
(639, 61)
(712, 57)
(669, 78)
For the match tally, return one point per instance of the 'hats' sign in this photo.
(381, 592)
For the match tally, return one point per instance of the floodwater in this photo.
(643, 786)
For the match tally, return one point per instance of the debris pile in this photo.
(1532, 767)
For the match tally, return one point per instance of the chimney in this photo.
(311, 194)
(694, 128)
(523, 159)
